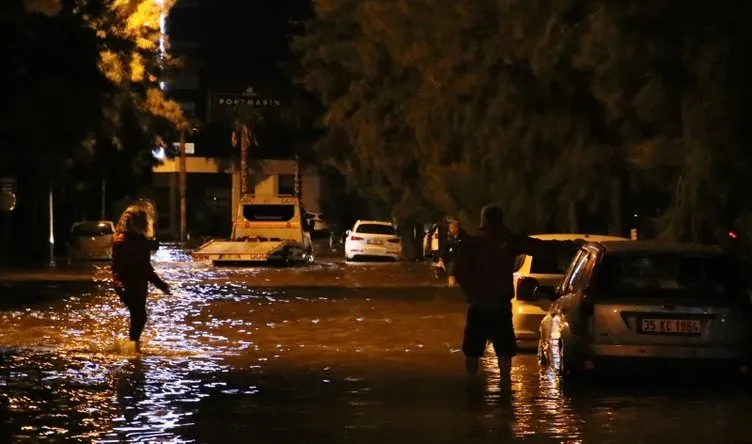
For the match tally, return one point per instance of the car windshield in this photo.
(551, 262)
(92, 229)
(375, 229)
(269, 213)
(667, 274)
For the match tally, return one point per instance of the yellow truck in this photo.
(266, 229)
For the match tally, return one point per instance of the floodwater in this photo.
(334, 353)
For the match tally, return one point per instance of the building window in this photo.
(286, 184)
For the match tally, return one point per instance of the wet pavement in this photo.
(328, 354)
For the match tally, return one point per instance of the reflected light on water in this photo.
(225, 360)
(537, 403)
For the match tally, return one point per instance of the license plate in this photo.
(375, 242)
(671, 326)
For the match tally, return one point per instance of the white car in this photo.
(371, 239)
(91, 241)
(317, 222)
(543, 271)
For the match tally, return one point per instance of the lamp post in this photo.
(52, 230)
(103, 213)
(298, 179)
(182, 179)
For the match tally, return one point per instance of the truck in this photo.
(266, 229)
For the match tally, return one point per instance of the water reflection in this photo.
(157, 398)
(226, 359)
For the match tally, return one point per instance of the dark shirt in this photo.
(131, 263)
(452, 245)
(485, 265)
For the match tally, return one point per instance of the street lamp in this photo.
(52, 230)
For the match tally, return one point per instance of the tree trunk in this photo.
(574, 226)
(407, 234)
(621, 216)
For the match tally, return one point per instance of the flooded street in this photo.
(328, 354)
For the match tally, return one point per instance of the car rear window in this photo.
(92, 229)
(667, 274)
(269, 213)
(553, 262)
(375, 229)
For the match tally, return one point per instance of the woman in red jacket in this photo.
(132, 270)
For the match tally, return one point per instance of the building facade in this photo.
(213, 192)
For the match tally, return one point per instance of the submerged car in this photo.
(317, 222)
(91, 241)
(544, 270)
(372, 239)
(646, 301)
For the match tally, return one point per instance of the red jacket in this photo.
(485, 265)
(131, 263)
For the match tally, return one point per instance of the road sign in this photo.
(7, 201)
(8, 184)
(7, 194)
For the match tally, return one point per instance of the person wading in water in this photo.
(132, 270)
(485, 272)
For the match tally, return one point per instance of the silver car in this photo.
(641, 299)
(544, 269)
(91, 241)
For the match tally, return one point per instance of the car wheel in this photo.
(569, 367)
(286, 261)
(542, 358)
(561, 367)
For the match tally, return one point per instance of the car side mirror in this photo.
(347, 233)
(526, 287)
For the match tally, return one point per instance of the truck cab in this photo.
(270, 217)
(266, 229)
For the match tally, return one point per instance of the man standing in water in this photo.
(132, 270)
(484, 270)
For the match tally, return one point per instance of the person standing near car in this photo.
(448, 254)
(484, 270)
(132, 270)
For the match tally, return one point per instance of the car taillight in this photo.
(393, 241)
(526, 288)
(356, 238)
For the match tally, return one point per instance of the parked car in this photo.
(546, 271)
(317, 222)
(620, 301)
(372, 239)
(91, 241)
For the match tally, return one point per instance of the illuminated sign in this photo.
(247, 98)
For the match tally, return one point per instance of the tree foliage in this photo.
(572, 114)
(84, 81)
(82, 100)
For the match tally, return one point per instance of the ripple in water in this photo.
(226, 358)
